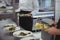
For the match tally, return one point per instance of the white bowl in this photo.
(15, 34)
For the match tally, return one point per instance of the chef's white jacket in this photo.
(28, 5)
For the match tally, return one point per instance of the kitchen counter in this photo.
(4, 35)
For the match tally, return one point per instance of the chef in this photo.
(25, 16)
(55, 30)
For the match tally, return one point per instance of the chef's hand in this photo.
(52, 30)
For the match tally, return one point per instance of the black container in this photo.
(26, 22)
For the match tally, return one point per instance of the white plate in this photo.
(18, 32)
(11, 24)
(28, 38)
(7, 29)
(37, 35)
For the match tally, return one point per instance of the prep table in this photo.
(4, 35)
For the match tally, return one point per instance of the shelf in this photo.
(42, 14)
(46, 12)
(8, 9)
(4, 13)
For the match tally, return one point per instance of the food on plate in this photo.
(29, 33)
(3, 7)
(9, 26)
(12, 28)
(23, 34)
(45, 26)
(39, 25)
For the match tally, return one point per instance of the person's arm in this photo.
(58, 24)
(58, 27)
(53, 31)
(58, 31)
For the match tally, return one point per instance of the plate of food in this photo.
(22, 33)
(11, 28)
(10, 25)
(41, 26)
(30, 38)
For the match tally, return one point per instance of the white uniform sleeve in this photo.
(35, 4)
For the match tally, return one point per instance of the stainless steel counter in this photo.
(4, 35)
